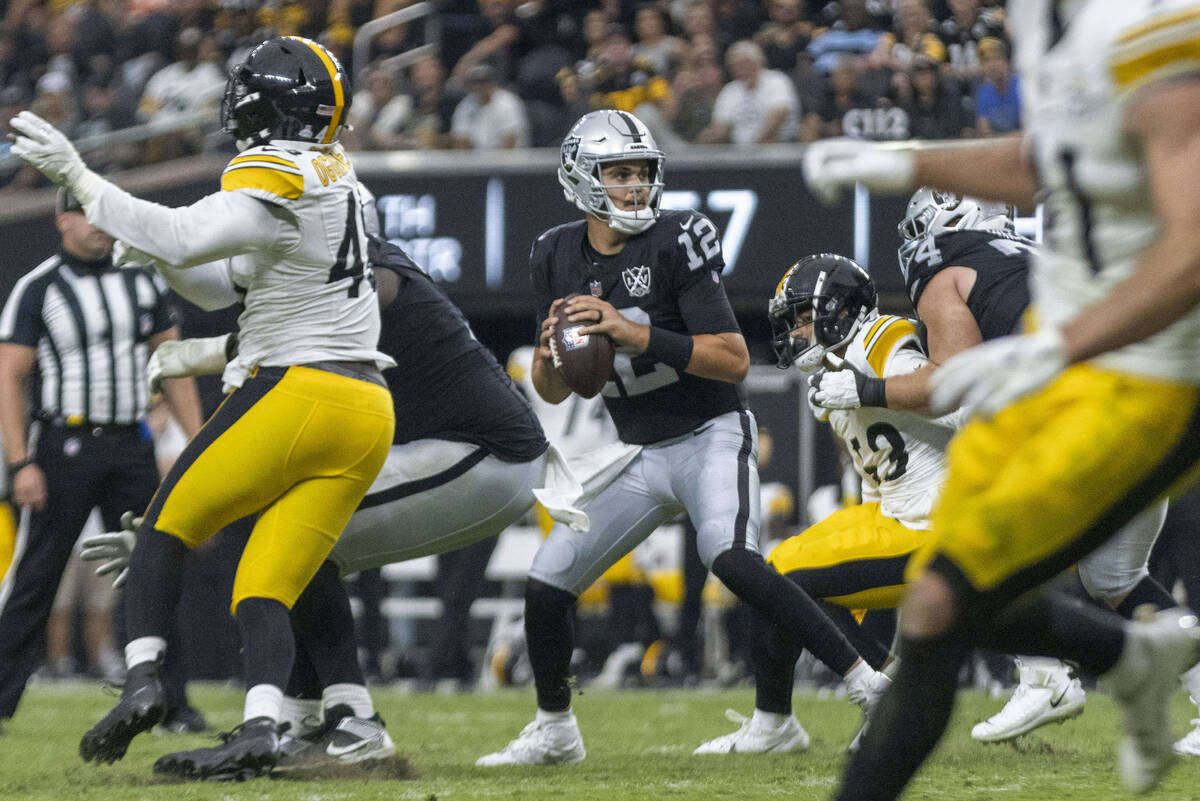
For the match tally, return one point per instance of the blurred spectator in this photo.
(627, 83)
(495, 45)
(998, 98)
(81, 588)
(418, 118)
(192, 85)
(489, 117)
(699, 21)
(595, 31)
(758, 105)
(697, 86)
(736, 19)
(962, 32)
(854, 34)
(913, 36)
(377, 109)
(664, 53)
(843, 94)
(934, 104)
(785, 35)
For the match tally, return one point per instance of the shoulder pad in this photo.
(267, 172)
(1162, 46)
(884, 337)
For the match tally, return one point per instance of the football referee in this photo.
(82, 330)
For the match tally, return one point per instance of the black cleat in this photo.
(250, 750)
(141, 706)
(184, 720)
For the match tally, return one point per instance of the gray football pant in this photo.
(711, 474)
(434, 496)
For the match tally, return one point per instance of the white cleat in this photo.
(867, 695)
(541, 743)
(352, 741)
(757, 737)
(1142, 683)
(1190, 744)
(1046, 694)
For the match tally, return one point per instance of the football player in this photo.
(308, 421)
(825, 310)
(1112, 143)
(651, 282)
(487, 447)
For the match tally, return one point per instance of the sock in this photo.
(354, 696)
(303, 682)
(546, 716)
(909, 720)
(550, 637)
(1053, 624)
(144, 649)
(783, 603)
(303, 715)
(1146, 591)
(268, 649)
(155, 582)
(773, 656)
(263, 701)
(324, 627)
(1191, 680)
(769, 720)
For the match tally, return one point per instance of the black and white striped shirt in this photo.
(91, 325)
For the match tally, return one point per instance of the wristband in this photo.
(670, 348)
(872, 391)
(18, 466)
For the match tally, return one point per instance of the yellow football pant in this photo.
(855, 558)
(1052, 476)
(297, 446)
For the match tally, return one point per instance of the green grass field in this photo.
(639, 747)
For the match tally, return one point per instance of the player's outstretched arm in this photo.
(995, 169)
(1165, 285)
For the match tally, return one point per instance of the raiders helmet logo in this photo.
(637, 281)
(570, 149)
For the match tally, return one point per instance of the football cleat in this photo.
(756, 737)
(184, 720)
(250, 750)
(1142, 683)
(141, 705)
(1046, 694)
(347, 741)
(1189, 744)
(541, 743)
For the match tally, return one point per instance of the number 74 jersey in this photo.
(310, 296)
(1077, 83)
(899, 456)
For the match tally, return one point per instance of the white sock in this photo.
(144, 649)
(1191, 680)
(354, 696)
(859, 673)
(263, 701)
(770, 720)
(553, 717)
(304, 715)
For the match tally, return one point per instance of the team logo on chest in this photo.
(637, 280)
(596, 288)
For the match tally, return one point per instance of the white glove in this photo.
(847, 388)
(45, 147)
(990, 376)
(818, 411)
(831, 164)
(114, 547)
(127, 257)
(176, 358)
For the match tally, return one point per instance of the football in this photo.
(585, 361)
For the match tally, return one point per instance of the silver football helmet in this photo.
(599, 138)
(931, 212)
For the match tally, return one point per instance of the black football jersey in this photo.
(668, 276)
(1001, 265)
(446, 385)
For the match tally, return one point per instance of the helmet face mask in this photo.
(832, 292)
(287, 88)
(602, 138)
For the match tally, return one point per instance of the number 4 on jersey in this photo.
(350, 262)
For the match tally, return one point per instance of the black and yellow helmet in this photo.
(287, 88)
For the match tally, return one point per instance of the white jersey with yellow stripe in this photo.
(288, 228)
(1099, 212)
(900, 456)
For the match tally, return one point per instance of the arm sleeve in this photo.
(217, 226)
(210, 286)
(539, 274)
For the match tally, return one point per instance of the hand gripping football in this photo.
(585, 361)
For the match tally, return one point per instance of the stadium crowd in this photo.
(510, 74)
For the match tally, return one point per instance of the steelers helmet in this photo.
(599, 138)
(287, 88)
(839, 294)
